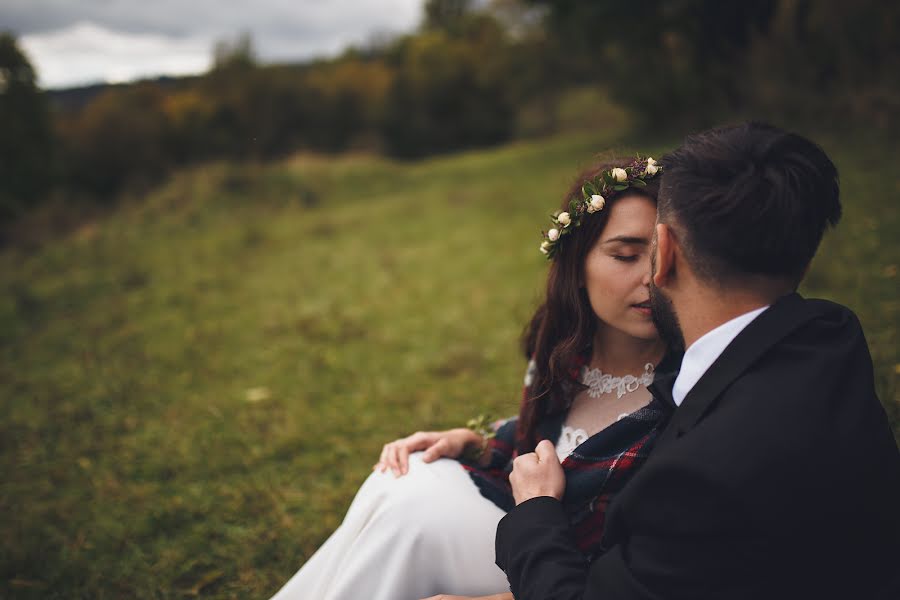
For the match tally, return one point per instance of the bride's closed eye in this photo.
(626, 257)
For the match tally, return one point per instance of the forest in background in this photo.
(474, 74)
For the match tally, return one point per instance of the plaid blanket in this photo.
(595, 472)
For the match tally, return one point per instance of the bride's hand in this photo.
(450, 443)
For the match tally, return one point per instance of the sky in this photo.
(76, 42)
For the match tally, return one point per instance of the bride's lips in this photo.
(642, 307)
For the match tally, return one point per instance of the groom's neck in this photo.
(702, 308)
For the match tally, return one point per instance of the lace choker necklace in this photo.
(600, 383)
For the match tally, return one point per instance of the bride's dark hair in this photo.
(563, 326)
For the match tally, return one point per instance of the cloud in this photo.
(102, 40)
(178, 18)
(88, 53)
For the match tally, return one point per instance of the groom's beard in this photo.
(665, 319)
(664, 316)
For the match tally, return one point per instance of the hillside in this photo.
(194, 386)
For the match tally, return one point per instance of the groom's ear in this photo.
(665, 255)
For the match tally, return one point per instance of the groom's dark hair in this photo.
(749, 199)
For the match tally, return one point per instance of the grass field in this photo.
(194, 387)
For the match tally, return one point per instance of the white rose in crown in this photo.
(564, 219)
(553, 235)
(652, 167)
(619, 174)
(597, 203)
(545, 247)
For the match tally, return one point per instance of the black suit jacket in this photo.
(777, 477)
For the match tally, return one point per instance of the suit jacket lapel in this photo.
(787, 314)
(664, 379)
(661, 389)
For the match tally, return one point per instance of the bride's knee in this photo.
(418, 519)
(420, 498)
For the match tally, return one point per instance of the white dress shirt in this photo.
(704, 352)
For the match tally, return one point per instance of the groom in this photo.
(777, 475)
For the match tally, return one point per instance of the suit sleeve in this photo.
(669, 558)
(535, 548)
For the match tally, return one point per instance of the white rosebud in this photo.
(564, 219)
(619, 174)
(652, 167)
(553, 235)
(545, 247)
(597, 202)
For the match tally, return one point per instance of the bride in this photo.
(424, 521)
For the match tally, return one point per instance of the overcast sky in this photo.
(72, 42)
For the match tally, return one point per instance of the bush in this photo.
(26, 142)
(122, 137)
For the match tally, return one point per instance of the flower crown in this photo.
(613, 180)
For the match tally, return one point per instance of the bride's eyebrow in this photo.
(627, 239)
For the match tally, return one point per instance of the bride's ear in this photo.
(665, 255)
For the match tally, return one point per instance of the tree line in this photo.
(460, 81)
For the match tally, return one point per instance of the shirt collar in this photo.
(704, 352)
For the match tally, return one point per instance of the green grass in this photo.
(194, 387)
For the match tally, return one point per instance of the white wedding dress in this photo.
(428, 532)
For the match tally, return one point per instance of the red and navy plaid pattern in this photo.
(595, 472)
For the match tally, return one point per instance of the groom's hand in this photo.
(537, 474)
